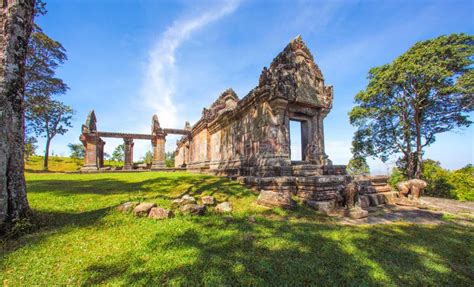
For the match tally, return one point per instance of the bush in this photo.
(395, 177)
(438, 180)
(463, 182)
(458, 184)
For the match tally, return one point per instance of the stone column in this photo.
(90, 146)
(100, 153)
(315, 152)
(128, 146)
(158, 143)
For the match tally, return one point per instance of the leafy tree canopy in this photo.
(119, 153)
(77, 150)
(424, 92)
(49, 118)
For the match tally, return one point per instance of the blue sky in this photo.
(130, 59)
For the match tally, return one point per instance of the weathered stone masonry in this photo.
(91, 138)
(249, 139)
(251, 136)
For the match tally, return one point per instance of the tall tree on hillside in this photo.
(16, 21)
(77, 150)
(44, 56)
(119, 153)
(424, 92)
(49, 119)
(30, 147)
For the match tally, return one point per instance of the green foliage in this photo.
(148, 157)
(30, 147)
(438, 180)
(463, 182)
(358, 166)
(396, 176)
(424, 92)
(77, 150)
(169, 159)
(458, 184)
(84, 241)
(49, 118)
(119, 153)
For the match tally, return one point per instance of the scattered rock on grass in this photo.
(252, 219)
(143, 208)
(207, 200)
(185, 199)
(127, 207)
(224, 207)
(193, 209)
(160, 213)
(228, 218)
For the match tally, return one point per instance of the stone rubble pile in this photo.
(186, 205)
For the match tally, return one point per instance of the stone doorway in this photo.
(298, 139)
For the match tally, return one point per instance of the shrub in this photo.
(437, 179)
(395, 177)
(458, 184)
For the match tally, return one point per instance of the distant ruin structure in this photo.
(93, 143)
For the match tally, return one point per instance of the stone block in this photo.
(383, 188)
(127, 207)
(160, 213)
(356, 213)
(208, 200)
(185, 199)
(380, 198)
(390, 197)
(224, 207)
(143, 208)
(326, 207)
(364, 201)
(193, 209)
(276, 199)
(374, 200)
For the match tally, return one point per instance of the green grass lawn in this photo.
(60, 164)
(84, 241)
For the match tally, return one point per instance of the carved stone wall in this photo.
(251, 136)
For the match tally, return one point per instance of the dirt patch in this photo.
(436, 211)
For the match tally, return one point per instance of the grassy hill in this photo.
(83, 240)
(60, 164)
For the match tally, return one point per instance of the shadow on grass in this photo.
(161, 185)
(276, 253)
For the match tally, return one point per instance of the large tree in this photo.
(424, 92)
(48, 119)
(77, 150)
(44, 56)
(16, 21)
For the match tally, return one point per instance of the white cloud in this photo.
(159, 87)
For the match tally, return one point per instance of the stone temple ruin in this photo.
(249, 138)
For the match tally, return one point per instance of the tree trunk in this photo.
(16, 19)
(46, 154)
(418, 160)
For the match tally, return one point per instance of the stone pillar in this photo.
(90, 146)
(315, 152)
(128, 147)
(158, 143)
(100, 153)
